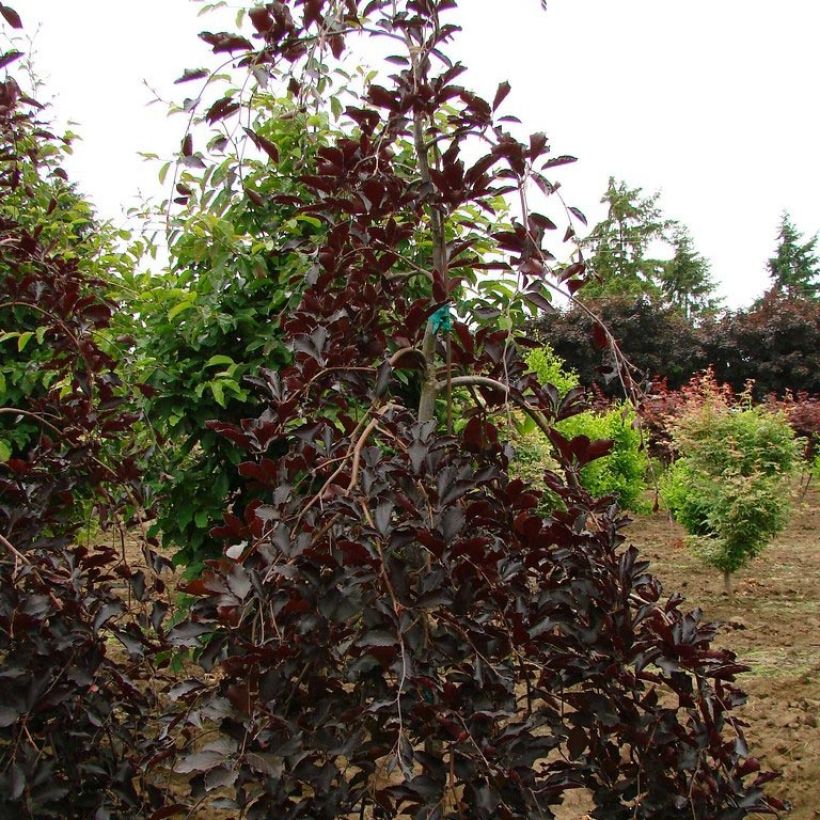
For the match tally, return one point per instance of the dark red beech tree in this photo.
(393, 630)
(72, 710)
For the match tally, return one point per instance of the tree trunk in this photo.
(727, 583)
(429, 391)
(429, 388)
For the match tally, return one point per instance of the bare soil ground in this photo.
(773, 624)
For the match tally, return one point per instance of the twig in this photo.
(357, 453)
(485, 381)
(14, 411)
(14, 551)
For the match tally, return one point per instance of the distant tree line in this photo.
(655, 292)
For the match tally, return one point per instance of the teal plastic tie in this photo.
(442, 320)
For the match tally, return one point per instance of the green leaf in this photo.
(222, 485)
(232, 385)
(219, 393)
(184, 518)
(23, 339)
(177, 309)
(525, 426)
(5, 450)
(219, 359)
(40, 333)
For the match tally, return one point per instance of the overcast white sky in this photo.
(712, 102)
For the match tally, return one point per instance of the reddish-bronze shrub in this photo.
(803, 413)
(660, 408)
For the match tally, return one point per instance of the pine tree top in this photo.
(795, 267)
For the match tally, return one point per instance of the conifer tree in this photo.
(630, 249)
(620, 243)
(686, 281)
(795, 267)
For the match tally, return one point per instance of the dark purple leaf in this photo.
(9, 57)
(199, 762)
(11, 16)
(193, 74)
(501, 94)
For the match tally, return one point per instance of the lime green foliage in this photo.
(533, 456)
(551, 369)
(533, 452)
(730, 488)
(622, 473)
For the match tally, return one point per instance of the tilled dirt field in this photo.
(773, 624)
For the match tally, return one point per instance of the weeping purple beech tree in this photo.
(393, 630)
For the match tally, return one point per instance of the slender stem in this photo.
(357, 452)
(449, 386)
(13, 550)
(427, 400)
(429, 388)
(14, 411)
(48, 314)
(485, 381)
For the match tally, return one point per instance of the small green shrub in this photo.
(685, 493)
(551, 369)
(622, 473)
(729, 488)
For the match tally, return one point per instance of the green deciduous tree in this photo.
(213, 318)
(729, 486)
